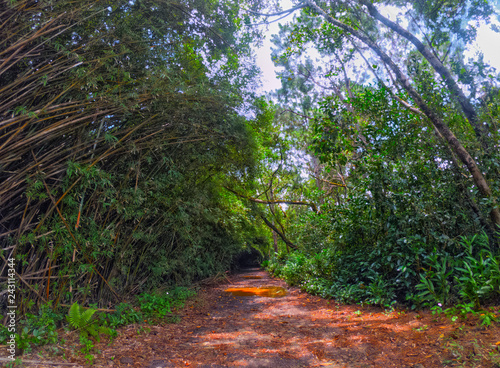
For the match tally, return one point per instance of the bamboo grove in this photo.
(113, 137)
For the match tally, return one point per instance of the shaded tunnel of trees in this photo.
(136, 150)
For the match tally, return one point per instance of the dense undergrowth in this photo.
(466, 274)
(398, 217)
(49, 325)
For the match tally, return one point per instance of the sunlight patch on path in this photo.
(265, 291)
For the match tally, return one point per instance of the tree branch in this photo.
(282, 236)
(287, 12)
(296, 113)
(396, 97)
(300, 203)
(329, 182)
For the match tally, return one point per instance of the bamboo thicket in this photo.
(106, 116)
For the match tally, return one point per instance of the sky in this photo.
(269, 80)
(488, 42)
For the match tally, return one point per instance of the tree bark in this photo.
(275, 235)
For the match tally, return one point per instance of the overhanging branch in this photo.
(281, 235)
(300, 203)
(329, 182)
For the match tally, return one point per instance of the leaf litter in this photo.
(219, 329)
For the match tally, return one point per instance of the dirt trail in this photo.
(296, 330)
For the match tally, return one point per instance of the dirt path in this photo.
(296, 330)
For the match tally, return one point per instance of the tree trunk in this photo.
(275, 235)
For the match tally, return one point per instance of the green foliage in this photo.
(478, 272)
(124, 314)
(117, 155)
(35, 330)
(399, 231)
(87, 348)
(386, 275)
(400, 220)
(471, 275)
(78, 317)
(4, 334)
(156, 306)
(137, 131)
(81, 320)
(41, 329)
(485, 316)
(434, 286)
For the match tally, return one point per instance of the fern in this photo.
(81, 320)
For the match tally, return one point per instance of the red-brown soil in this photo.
(218, 329)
